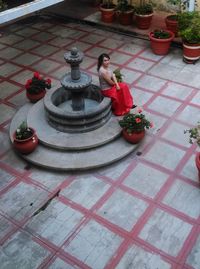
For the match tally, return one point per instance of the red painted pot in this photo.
(125, 18)
(161, 46)
(197, 160)
(33, 98)
(133, 138)
(191, 52)
(172, 24)
(107, 14)
(143, 21)
(27, 145)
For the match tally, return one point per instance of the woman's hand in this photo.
(117, 87)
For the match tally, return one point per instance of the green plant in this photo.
(3, 5)
(161, 34)
(135, 122)
(144, 8)
(37, 84)
(23, 131)
(118, 75)
(107, 4)
(124, 5)
(189, 26)
(194, 134)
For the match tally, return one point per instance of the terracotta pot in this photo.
(143, 21)
(125, 18)
(161, 46)
(133, 138)
(197, 160)
(172, 24)
(191, 52)
(107, 14)
(27, 145)
(33, 98)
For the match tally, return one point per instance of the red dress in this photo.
(122, 100)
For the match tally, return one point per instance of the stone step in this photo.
(80, 160)
(70, 141)
(72, 160)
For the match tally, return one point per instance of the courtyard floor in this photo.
(142, 212)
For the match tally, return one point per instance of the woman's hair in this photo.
(100, 60)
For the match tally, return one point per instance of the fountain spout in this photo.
(76, 81)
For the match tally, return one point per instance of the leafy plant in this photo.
(3, 5)
(144, 8)
(135, 122)
(118, 75)
(194, 134)
(108, 4)
(161, 34)
(189, 26)
(124, 5)
(37, 84)
(23, 131)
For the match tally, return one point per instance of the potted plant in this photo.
(125, 12)
(3, 5)
(189, 29)
(172, 20)
(144, 15)
(107, 9)
(25, 139)
(134, 126)
(161, 41)
(36, 87)
(194, 137)
(118, 74)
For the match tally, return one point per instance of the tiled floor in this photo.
(140, 213)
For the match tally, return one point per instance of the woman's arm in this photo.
(115, 81)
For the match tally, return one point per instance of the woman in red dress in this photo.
(119, 92)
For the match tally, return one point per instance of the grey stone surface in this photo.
(166, 232)
(55, 223)
(194, 256)
(61, 140)
(85, 190)
(184, 198)
(123, 209)
(73, 160)
(138, 258)
(20, 251)
(22, 201)
(94, 244)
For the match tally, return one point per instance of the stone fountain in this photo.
(74, 124)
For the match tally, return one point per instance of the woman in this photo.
(119, 93)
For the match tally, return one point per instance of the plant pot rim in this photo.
(107, 9)
(162, 40)
(24, 140)
(169, 18)
(125, 12)
(144, 15)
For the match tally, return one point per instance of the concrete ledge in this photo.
(23, 10)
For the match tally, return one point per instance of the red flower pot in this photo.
(133, 138)
(125, 18)
(143, 21)
(172, 24)
(107, 14)
(34, 97)
(197, 160)
(191, 52)
(26, 146)
(161, 46)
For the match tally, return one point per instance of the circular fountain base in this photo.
(72, 152)
(61, 116)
